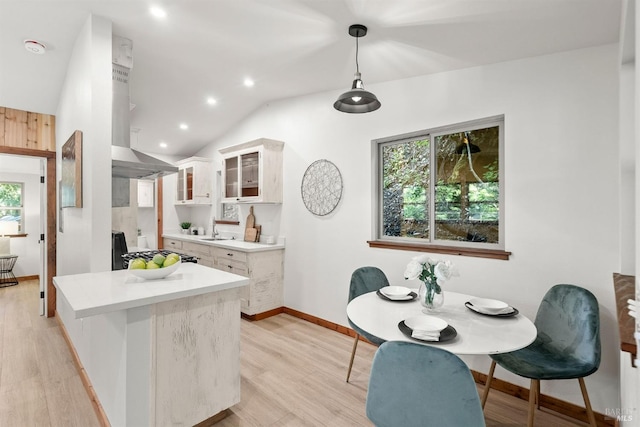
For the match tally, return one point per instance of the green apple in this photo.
(174, 255)
(151, 265)
(138, 264)
(170, 260)
(158, 259)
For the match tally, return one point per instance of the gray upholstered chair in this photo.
(414, 385)
(567, 345)
(363, 280)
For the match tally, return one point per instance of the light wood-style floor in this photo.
(292, 375)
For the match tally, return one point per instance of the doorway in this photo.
(46, 233)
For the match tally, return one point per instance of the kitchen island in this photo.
(156, 352)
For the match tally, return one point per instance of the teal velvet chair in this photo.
(414, 385)
(363, 280)
(567, 345)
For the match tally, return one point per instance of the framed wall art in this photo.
(72, 172)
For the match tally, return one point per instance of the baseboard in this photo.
(25, 278)
(97, 407)
(263, 315)
(560, 406)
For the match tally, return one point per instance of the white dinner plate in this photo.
(426, 323)
(395, 291)
(491, 306)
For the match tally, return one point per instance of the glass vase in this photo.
(431, 296)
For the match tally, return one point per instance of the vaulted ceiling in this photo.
(206, 49)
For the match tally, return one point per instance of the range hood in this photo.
(125, 161)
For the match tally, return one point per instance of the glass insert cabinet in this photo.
(195, 181)
(252, 172)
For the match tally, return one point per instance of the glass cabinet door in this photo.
(181, 174)
(189, 183)
(250, 174)
(231, 177)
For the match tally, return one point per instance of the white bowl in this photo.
(395, 291)
(426, 323)
(489, 305)
(155, 273)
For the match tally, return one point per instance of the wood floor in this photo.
(292, 375)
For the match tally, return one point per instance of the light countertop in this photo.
(239, 245)
(89, 294)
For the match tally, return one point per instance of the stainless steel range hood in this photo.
(125, 161)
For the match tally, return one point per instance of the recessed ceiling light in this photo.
(211, 101)
(35, 46)
(184, 126)
(248, 82)
(158, 12)
(163, 145)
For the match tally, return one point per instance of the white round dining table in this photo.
(476, 333)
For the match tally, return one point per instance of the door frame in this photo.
(50, 225)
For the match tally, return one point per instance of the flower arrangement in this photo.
(432, 273)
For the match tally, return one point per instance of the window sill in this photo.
(449, 250)
(220, 221)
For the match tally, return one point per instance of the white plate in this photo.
(489, 305)
(156, 273)
(426, 323)
(395, 291)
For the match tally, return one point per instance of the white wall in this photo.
(85, 104)
(27, 171)
(85, 244)
(561, 192)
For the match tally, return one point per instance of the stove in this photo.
(148, 255)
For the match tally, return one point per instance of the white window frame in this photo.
(377, 171)
(21, 229)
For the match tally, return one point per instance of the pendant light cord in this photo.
(357, 66)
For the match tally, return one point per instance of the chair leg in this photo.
(487, 385)
(535, 386)
(538, 395)
(353, 355)
(587, 403)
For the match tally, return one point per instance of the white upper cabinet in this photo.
(252, 172)
(195, 181)
(145, 193)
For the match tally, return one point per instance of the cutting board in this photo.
(250, 231)
(250, 234)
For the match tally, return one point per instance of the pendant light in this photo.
(357, 100)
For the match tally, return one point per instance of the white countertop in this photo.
(89, 294)
(239, 245)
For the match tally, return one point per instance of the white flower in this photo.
(413, 270)
(423, 259)
(424, 268)
(443, 270)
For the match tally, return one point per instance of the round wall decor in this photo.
(321, 187)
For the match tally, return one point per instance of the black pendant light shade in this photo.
(357, 100)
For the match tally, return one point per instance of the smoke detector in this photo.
(34, 46)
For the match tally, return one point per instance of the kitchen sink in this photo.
(212, 239)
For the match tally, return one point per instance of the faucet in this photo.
(214, 233)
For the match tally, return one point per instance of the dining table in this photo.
(474, 333)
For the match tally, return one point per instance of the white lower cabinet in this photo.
(202, 252)
(265, 269)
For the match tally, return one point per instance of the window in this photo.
(11, 208)
(442, 187)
